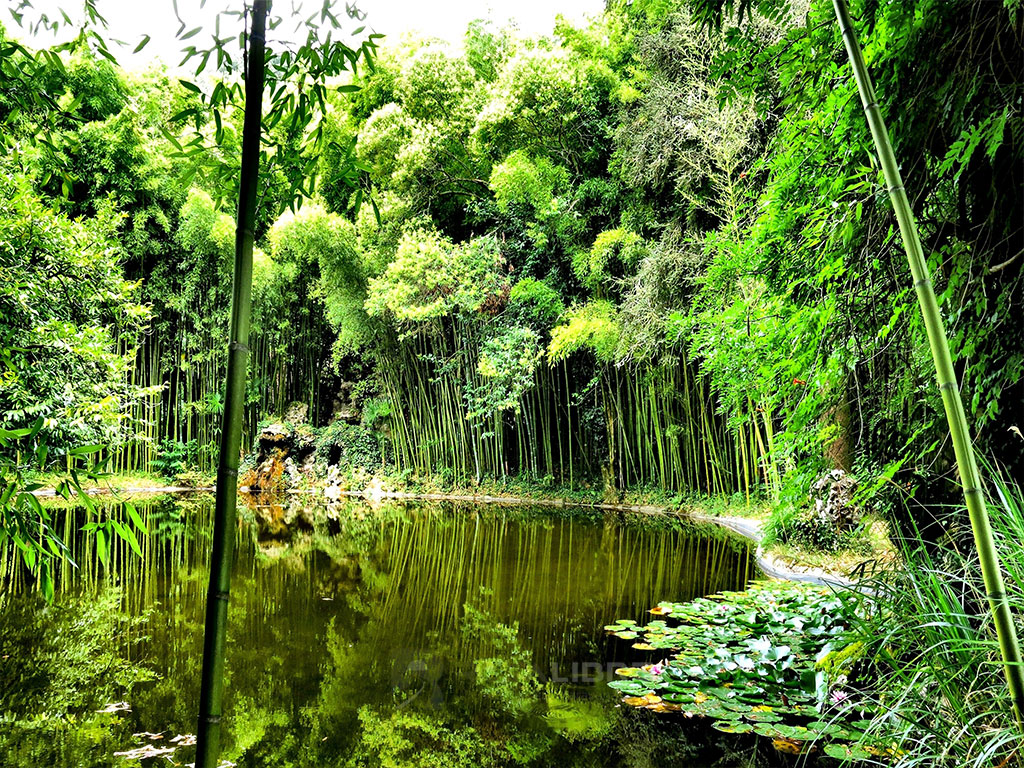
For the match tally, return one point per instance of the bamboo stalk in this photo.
(970, 477)
(212, 690)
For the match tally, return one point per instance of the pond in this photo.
(396, 634)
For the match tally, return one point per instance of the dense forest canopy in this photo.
(647, 251)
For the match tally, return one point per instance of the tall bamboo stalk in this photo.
(970, 477)
(212, 692)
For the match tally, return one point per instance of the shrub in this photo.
(174, 458)
(351, 446)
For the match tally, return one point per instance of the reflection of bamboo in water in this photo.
(559, 590)
(560, 579)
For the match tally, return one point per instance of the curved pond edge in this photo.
(749, 529)
(770, 566)
(131, 490)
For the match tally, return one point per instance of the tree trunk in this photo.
(211, 695)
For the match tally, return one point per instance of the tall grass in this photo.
(932, 657)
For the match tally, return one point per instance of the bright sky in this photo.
(130, 20)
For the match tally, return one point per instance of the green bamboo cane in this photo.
(212, 691)
(970, 477)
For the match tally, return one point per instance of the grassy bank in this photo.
(926, 646)
(123, 482)
(864, 548)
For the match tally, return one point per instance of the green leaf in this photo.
(727, 726)
(46, 581)
(84, 450)
(127, 535)
(101, 545)
(134, 516)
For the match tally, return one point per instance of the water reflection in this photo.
(395, 635)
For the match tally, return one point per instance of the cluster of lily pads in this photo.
(749, 662)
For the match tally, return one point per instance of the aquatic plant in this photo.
(751, 662)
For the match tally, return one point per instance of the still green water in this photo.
(401, 634)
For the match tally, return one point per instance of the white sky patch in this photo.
(130, 20)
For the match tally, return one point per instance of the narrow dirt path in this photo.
(770, 565)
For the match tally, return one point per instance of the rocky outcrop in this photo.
(832, 501)
(283, 453)
(344, 407)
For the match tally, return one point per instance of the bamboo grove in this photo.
(643, 252)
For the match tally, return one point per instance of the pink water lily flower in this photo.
(838, 697)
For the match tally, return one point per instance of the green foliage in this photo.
(930, 652)
(70, 321)
(692, 186)
(486, 48)
(535, 303)
(577, 720)
(292, 125)
(315, 256)
(613, 259)
(63, 656)
(69, 673)
(519, 180)
(504, 677)
(174, 458)
(416, 739)
(350, 446)
(375, 412)
(384, 138)
(433, 82)
(593, 326)
(431, 278)
(748, 662)
(547, 103)
(28, 525)
(507, 363)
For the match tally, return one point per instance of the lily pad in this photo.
(729, 726)
(846, 751)
(766, 729)
(789, 746)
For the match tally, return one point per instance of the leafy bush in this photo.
(174, 457)
(431, 277)
(593, 326)
(375, 412)
(70, 319)
(614, 257)
(350, 446)
(535, 303)
(506, 363)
